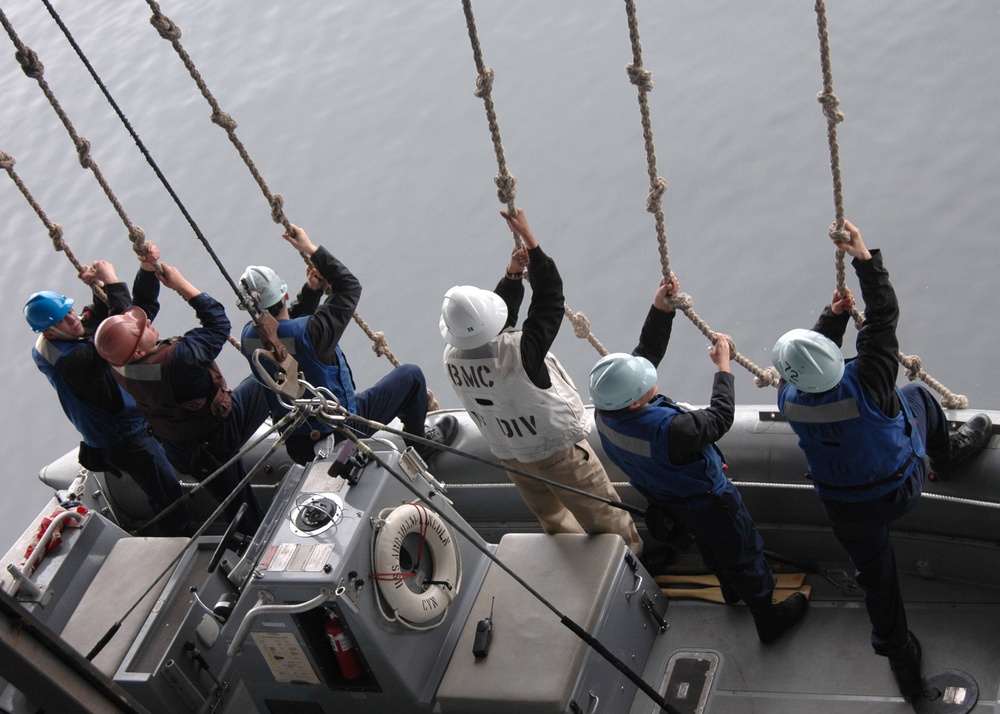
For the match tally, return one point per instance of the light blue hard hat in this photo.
(619, 379)
(265, 285)
(808, 360)
(46, 308)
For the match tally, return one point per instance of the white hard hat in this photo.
(619, 379)
(265, 285)
(471, 317)
(808, 360)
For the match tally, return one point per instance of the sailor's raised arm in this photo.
(519, 225)
(300, 241)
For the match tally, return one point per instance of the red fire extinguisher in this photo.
(347, 657)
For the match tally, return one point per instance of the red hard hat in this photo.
(118, 336)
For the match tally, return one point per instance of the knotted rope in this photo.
(138, 246)
(505, 182)
(643, 80)
(55, 230)
(33, 68)
(831, 109)
(170, 32)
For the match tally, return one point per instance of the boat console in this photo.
(350, 595)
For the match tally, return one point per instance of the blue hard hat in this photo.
(46, 308)
(619, 379)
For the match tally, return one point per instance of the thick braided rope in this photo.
(55, 230)
(380, 348)
(831, 109)
(643, 80)
(170, 32)
(505, 182)
(33, 68)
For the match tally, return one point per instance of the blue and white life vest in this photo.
(295, 337)
(636, 441)
(98, 427)
(854, 451)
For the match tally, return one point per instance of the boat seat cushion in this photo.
(534, 660)
(130, 568)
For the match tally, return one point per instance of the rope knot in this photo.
(839, 234)
(831, 106)
(641, 78)
(767, 378)
(6, 161)
(56, 234)
(83, 153)
(484, 83)
(505, 187)
(380, 346)
(656, 191)
(277, 208)
(223, 119)
(138, 238)
(30, 64)
(955, 401)
(165, 26)
(581, 325)
(913, 366)
(682, 301)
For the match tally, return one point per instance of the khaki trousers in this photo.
(561, 511)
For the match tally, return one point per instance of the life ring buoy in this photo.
(431, 601)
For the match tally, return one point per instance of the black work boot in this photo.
(773, 620)
(969, 440)
(905, 665)
(443, 432)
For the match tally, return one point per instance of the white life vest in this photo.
(517, 419)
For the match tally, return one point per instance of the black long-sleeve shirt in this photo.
(545, 313)
(329, 320)
(84, 370)
(877, 344)
(690, 431)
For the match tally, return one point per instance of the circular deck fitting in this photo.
(948, 692)
(315, 514)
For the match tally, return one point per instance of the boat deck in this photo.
(825, 665)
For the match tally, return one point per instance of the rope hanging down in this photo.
(33, 68)
(172, 33)
(504, 180)
(55, 230)
(643, 80)
(831, 109)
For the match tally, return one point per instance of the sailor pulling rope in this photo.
(504, 180)
(169, 31)
(831, 109)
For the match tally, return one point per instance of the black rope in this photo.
(149, 159)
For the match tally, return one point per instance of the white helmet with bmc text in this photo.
(809, 361)
(619, 379)
(471, 316)
(264, 285)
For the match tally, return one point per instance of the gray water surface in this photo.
(362, 115)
